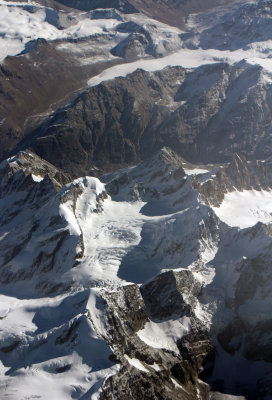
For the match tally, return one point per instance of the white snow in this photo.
(195, 171)
(16, 316)
(164, 335)
(186, 59)
(135, 237)
(108, 235)
(155, 366)
(66, 210)
(97, 316)
(177, 385)
(88, 27)
(37, 178)
(37, 377)
(136, 363)
(19, 25)
(245, 209)
(118, 234)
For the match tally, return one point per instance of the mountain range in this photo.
(136, 200)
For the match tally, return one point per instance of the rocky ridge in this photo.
(120, 122)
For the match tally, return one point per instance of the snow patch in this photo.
(136, 363)
(195, 171)
(164, 335)
(37, 178)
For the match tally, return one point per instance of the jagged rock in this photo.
(137, 377)
(31, 166)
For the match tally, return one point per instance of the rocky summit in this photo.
(135, 200)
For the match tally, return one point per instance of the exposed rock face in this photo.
(27, 163)
(246, 332)
(165, 296)
(238, 174)
(171, 12)
(244, 26)
(120, 121)
(107, 129)
(174, 12)
(147, 372)
(137, 44)
(206, 114)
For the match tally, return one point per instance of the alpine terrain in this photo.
(136, 200)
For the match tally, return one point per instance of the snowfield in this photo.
(21, 23)
(165, 334)
(187, 59)
(245, 209)
(29, 374)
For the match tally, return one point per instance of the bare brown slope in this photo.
(174, 12)
(35, 84)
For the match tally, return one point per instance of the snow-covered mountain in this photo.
(148, 274)
(136, 200)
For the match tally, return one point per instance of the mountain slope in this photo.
(123, 120)
(98, 45)
(47, 57)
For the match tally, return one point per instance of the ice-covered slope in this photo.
(137, 274)
(246, 208)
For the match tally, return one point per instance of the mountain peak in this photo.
(168, 156)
